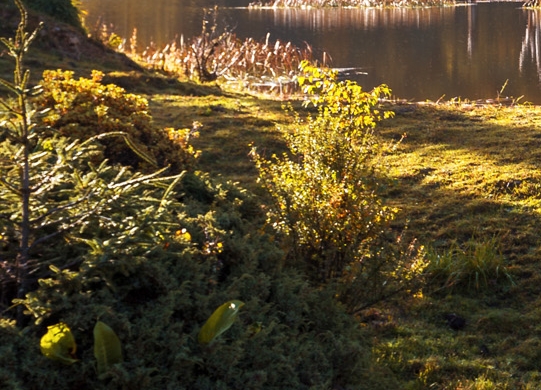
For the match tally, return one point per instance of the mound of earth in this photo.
(59, 45)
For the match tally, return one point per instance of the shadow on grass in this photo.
(505, 135)
(231, 125)
(148, 83)
(460, 175)
(464, 174)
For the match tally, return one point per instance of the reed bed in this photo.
(262, 66)
(352, 3)
(249, 63)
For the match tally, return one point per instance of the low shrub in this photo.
(157, 289)
(326, 203)
(83, 108)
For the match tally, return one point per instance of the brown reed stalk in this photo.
(219, 53)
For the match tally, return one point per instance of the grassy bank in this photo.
(468, 174)
(464, 174)
(467, 181)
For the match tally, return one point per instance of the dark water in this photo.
(466, 51)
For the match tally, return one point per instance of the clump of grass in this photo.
(482, 382)
(250, 63)
(475, 265)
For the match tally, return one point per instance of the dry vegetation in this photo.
(351, 3)
(217, 54)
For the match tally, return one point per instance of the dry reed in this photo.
(219, 54)
(350, 3)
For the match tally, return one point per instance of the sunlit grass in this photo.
(474, 265)
(467, 182)
(231, 123)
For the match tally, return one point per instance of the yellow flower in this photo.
(183, 234)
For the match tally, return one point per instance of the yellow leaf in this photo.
(58, 344)
(221, 320)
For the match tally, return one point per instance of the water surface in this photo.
(467, 51)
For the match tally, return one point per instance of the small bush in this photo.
(83, 108)
(326, 194)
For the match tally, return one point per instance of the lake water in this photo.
(466, 51)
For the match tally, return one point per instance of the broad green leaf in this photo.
(58, 344)
(221, 320)
(107, 348)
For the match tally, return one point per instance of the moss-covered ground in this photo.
(463, 173)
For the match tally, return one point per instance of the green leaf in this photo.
(58, 344)
(221, 320)
(107, 348)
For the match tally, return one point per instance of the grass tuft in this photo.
(474, 265)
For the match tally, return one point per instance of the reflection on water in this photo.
(471, 18)
(531, 42)
(466, 52)
(158, 21)
(367, 19)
